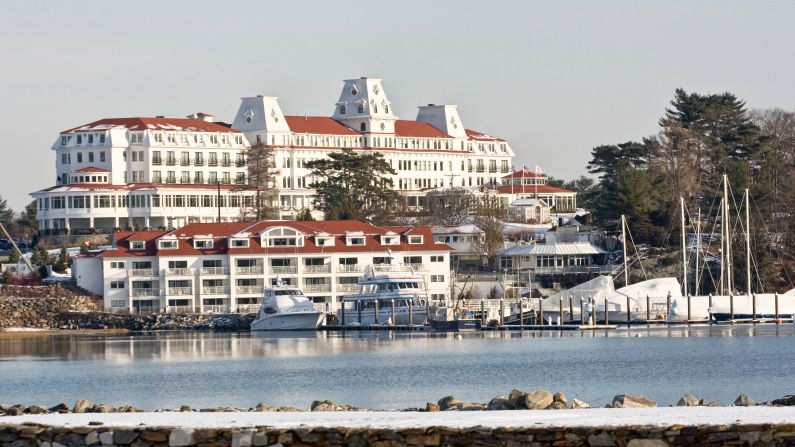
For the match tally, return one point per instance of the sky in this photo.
(554, 78)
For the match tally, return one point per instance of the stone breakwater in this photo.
(155, 322)
(515, 400)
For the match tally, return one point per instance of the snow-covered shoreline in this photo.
(586, 418)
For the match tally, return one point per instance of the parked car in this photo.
(5, 244)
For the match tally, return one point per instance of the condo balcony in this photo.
(325, 268)
(215, 290)
(282, 269)
(254, 270)
(148, 273)
(249, 290)
(315, 288)
(179, 272)
(144, 292)
(219, 271)
(180, 291)
(346, 288)
(348, 268)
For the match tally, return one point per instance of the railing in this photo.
(144, 292)
(179, 291)
(145, 310)
(347, 287)
(326, 268)
(215, 309)
(215, 290)
(317, 288)
(283, 269)
(198, 163)
(417, 267)
(596, 269)
(143, 272)
(480, 169)
(184, 162)
(180, 272)
(255, 270)
(171, 162)
(157, 161)
(215, 271)
(226, 163)
(249, 289)
(247, 308)
(180, 309)
(212, 163)
(240, 164)
(349, 268)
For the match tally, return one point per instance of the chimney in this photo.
(202, 116)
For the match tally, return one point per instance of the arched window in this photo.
(363, 127)
(386, 108)
(342, 109)
(375, 108)
(361, 108)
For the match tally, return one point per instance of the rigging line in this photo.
(638, 254)
(778, 253)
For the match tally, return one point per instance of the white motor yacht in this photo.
(383, 287)
(286, 308)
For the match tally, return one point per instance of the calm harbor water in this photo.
(396, 370)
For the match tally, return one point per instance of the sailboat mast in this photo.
(728, 234)
(698, 247)
(722, 249)
(684, 246)
(624, 245)
(747, 242)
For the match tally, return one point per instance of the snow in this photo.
(597, 417)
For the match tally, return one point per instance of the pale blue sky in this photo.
(555, 78)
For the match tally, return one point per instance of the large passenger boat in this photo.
(285, 308)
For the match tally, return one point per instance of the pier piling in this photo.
(411, 311)
(375, 315)
(648, 309)
(731, 308)
(560, 312)
(607, 311)
(582, 313)
(541, 309)
(482, 312)
(392, 302)
(571, 308)
(776, 304)
(753, 310)
(521, 311)
(502, 313)
(629, 313)
(689, 319)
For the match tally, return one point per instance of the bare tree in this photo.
(451, 206)
(488, 217)
(262, 177)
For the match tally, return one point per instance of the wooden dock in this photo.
(420, 328)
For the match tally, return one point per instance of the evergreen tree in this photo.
(6, 214)
(354, 186)
(304, 215)
(262, 177)
(40, 256)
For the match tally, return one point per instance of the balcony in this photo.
(480, 169)
(215, 309)
(157, 162)
(240, 163)
(345, 288)
(212, 163)
(144, 292)
(249, 290)
(198, 163)
(215, 271)
(179, 291)
(226, 163)
(179, 272)
(282, 269)
(184, 162)
(255, 270)
(180, 310)
(325, 268)
(215, 290)
(171, 162)
(348, 268)
(315, 288)
(417, 267)
(146, 273)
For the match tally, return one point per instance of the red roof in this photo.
(140, 123)
(524, 173)
(318, 124)
(221, 231)
(406, 128)
(91, 169)
(527, 189)
(475, 135)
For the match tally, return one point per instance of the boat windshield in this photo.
(287, 292)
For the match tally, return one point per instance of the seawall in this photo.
(594, 427)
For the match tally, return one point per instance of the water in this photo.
(396, 370)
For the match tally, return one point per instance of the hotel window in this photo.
(171, 177)
(137, 245)
(79, 157)
(342, 112)
(203, 243)
(437, 258)
(64, 159)
(117, 265)
(437, 278)
(158, 137)
(212, 178)
(117, 284)
(227, 178)
(185, 177)
(198, 178)
(91, 138)
(156, 178)
(239, 243)
(64, 140)
(213, 161)
(412, 259)
(386, 108)
(91, 157)
(363, 127)
(79, 139)
(360, 108)
(356, 241)
(168, 245)
(415, 240)
(102, 156)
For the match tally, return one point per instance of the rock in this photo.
(517, 399)
(500, 403)
(153, 436)
(630, 401)
(744, 401)
(327, 405)
(431, 407)
(578, 404)
(36, 409)
(181, 437)
(602, 439)
(106, 437)
(185, 408)
(688, 400)
(82, 406)
(260, 439)
(101, 408)
(124, 436)
(92, 438)
(786, 401)
(557, 406)
(448, 402)
(538, 399)
(560, 397)
(470, 406)
(647, 443)
(16, 410)
(242, 439)
(262, 406)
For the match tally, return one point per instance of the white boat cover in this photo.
(658, 287)
(602, 287)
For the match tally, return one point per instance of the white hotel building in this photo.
(223, 267)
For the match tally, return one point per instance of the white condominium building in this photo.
(223, 267)
(135, 173)
(433, 151)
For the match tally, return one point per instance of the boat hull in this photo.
(288, 322)
(418, 316)
(464, 324)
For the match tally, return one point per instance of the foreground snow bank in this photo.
(586, 418)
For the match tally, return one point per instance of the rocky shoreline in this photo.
(515, 400)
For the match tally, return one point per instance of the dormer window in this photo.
(169, 244)
(158, 137)
(415, 240)
(239, 243)
(137, 245)
(343, 110)
(64, 140)
(354, 90)
(203, 244)
(390, 240)
(359, 108)
(324, 241)
(282, 237)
